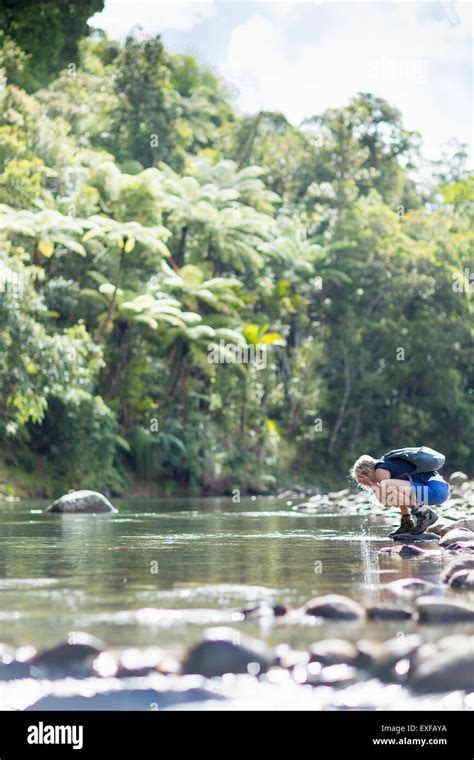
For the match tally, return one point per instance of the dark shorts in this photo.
(434, 492)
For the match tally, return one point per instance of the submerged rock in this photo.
(225, 650)
(389, 612)
(449, 667)
(334, 607)
(432, 609)
(408, 550)
(78, 502)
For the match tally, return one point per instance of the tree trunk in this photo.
(343, 406)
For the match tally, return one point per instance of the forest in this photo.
(197, 300)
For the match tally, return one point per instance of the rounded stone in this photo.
(224, 650)
(456, 535)
(458, 478)
(79, 502)
(432, 609)
(334, 607)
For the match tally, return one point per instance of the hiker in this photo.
(408, 479)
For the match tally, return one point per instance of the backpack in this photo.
(422, 457)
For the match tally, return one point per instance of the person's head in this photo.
(363, 467)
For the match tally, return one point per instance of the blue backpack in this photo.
(422, 457)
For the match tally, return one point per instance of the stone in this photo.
(410, 586)
(441, 527)
(334, 607)
(382, 658)
(449, 668)
(462, 563)
(407, 550)
(465, 522)
(456, 535)
(433, 609)
(75, 657)
(411, 538)
(388, 612)
(458, 478)
(462, 579)
(224, 650)
(396, 657)
(333, 652)
(462, 546)
(81, 502)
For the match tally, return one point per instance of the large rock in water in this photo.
(463, 563)
(334, 607)
(78, 502)
(433, 609)
(225, 650)
(455, 536)
(450, 667)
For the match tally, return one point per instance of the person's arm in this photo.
(381, 474)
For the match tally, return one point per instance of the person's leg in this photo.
(394, 492)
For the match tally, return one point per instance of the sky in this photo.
(304, 56)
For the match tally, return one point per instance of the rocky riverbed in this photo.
(404, 643)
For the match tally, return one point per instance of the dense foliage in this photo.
(195, 298)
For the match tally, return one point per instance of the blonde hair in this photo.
(362, 466)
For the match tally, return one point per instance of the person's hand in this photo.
(364, 480)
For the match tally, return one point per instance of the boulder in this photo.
(456, 535)
(382, 659)
(458, 478)
(462, 546)
(465, 522)
(388, 612)
(408, 550)
(333, 652)
(78, 502)
(224, 650)
(442, 526)
(462, 579)
(74, 658)
(432, 609)
(334, 607)
(413, 538)
(449, 668)
(462, 563)
(410, 586)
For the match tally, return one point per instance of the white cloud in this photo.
(120, 16)
(387, 50)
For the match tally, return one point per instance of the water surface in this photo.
(161, 571)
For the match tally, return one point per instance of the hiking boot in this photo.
(424, 517)
(406, 526)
